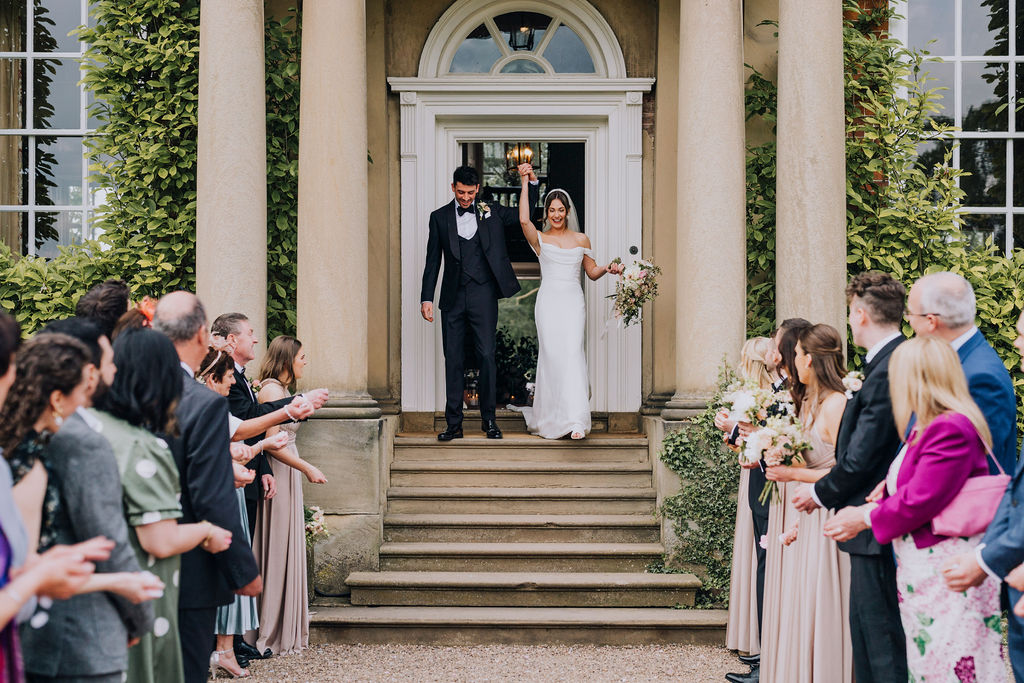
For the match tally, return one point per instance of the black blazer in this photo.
(443, 238)
(203, 455)
(865, 447)
(243, 404)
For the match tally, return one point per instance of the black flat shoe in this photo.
(490, 428)
(750, 660)
(453, 432)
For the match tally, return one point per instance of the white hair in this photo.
(949, 296)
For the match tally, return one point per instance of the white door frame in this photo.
(439, 113)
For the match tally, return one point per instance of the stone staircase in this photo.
(521, 540)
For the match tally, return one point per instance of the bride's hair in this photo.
(561, 196)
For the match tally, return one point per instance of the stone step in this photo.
(481, 500)
(520, 474)
(518, 625)
(519, 557)
(510, 421)
(446, 528)
(522, 589)
(523, 447)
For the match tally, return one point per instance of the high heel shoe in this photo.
(219, 662)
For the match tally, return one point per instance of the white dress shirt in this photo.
(466, 223)
(963, 338)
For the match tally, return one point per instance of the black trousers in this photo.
(195, 627)
(475, 309)
(759, 515)
(879, 645)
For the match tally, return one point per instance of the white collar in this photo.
(879, 345)
(963, 338)
(90, 419)
(240, 369)
(190, 371)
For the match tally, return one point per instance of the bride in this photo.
(561, 403)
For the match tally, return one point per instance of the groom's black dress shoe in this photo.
(750, 660)
(453, 432)
(490, 428)
(248, 652)
(753, 677)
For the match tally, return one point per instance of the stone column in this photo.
(231, 204)
(333, 212)
(811, 183)
(711, 236)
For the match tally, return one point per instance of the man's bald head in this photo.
(179, 315)
(944, 301)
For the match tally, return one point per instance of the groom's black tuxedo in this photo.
(477, 272)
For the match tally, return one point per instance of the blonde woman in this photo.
(950, 636)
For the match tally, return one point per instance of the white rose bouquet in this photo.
(316, 529)
(637, 285)
(780, 442)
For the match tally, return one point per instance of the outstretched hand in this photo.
(615, 268)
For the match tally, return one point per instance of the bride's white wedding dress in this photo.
(561, 400)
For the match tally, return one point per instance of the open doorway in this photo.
(558, 165)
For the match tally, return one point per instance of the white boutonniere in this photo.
(483, 210)
(853, 382)
(254, 384)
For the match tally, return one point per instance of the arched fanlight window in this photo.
(522, 43)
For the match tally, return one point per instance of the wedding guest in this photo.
(1000, 553)
(137, 410)
(87, 636)
(280, 543)
(943, 305)
(134, 319)
(742, 631)
(866, 445)
(203, 456)
(105, 304)
(952, 636)
(807, 633)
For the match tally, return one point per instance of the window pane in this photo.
(1018, 231)
(59, 171)
(522, 66)
(979, 227)
(939, 76)
(97, 113)
(515, 23)
(567, 53)
(56, 100)
(12, 80)
(1019, 104)
(12, 26)
(1018, 172)
(985, 160)
(54, 20)
(1020, 33)
(58, 228)
(931, 20)
(933, 153)
(13, 177)
(476, 54)
(986, 26)
(985, 88)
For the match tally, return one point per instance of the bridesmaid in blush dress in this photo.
(280, 543)
(561, 403)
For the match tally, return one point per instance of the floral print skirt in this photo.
(953, 637)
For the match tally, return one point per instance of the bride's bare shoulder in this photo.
(582, 240)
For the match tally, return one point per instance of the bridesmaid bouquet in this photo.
(780, 441)
(315, 527)
(637, 285)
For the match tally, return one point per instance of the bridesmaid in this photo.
(280, 543)
(806, 622)
(742, 633)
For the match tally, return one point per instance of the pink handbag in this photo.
(973, 509)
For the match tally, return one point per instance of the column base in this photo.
(685, 406)
(349, 407)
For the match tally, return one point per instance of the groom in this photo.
(477, 272)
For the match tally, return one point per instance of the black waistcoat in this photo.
(474, 261)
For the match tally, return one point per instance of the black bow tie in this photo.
(461, 211)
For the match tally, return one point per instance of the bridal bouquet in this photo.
(315, 527)
(748, 402)
(780, 441)
(637, 285)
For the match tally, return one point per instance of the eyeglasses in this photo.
(908, 314)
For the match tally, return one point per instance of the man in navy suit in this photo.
(1001, 551)
(942, 304)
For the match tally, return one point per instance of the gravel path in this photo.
(676, 663)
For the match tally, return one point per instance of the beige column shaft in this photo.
(711, 244)
(333, 211)
(231, 206)
(811, 181)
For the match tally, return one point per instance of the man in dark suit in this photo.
(1001, 550)
(865, 447)
(237, 330)
(477, 272)
(202, 453)
(943, 305)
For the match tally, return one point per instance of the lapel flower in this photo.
(254, 384)
(482, 210)
(853, 382)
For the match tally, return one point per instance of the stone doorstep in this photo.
(522, 580)
(522, 528)
(521, 474)
(489, 500)
(454, 626)
(531, 557)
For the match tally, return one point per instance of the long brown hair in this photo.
(46, 363)
(279, 363)
(825, 347)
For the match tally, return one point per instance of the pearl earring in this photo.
(58, 418)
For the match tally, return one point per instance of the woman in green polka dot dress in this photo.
(138, 406)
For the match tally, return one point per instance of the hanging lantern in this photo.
(517, 153)
(521, 39)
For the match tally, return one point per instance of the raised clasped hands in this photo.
(526, 173)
